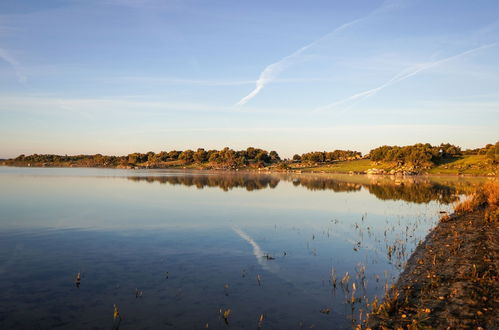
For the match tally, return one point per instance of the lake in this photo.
(176, 249)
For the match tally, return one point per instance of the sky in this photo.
(122, 76)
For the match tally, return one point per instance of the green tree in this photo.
(262, 156)
(200, 155)
(493, 153)
(187, 156)
(274, 156)
(174, 154)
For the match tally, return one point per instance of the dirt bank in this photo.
(450, 282)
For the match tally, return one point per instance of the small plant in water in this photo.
(268, 257)
(138, 293)
(260, 321)
(344, 281)
(116, 314)
(116, 317)
(78, 280)
(325, 311)
(333, 277)
(226, 314)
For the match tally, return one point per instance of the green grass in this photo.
(468, 165)
(471, 164)
(360, 165)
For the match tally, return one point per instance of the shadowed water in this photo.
(198, 243)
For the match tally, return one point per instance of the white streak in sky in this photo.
(270, 73)
(407, 73)
(4, 55)
(257, 251)
(181, 81)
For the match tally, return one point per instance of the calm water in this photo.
(194, 244)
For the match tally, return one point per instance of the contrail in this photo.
(257, 251)
(14, 64)
(407, 73)
(271, 71)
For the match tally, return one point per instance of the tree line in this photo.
(420, 154)
(324, 156)
(225, 158)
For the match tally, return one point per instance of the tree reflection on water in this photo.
(411, 189)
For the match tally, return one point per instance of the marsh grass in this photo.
(485, 198)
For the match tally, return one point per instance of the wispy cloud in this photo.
(401, 76)
(181, 81)
(270, 73)
(16, 66)
(121, 104)
(204, 82)
(151, 4)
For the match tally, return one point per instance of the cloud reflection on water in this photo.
(257, 251)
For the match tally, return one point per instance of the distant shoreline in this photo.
(313, 169)
(417, 159)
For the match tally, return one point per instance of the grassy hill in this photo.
(472, 164)
(348, 166)
(465, 165)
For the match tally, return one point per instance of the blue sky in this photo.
(119, 76)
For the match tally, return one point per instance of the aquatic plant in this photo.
(78, 280)
(226, 313)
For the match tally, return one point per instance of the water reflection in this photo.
(411, 189)
(225, 182)
(170, 253)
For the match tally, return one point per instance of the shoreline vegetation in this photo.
(451, 281)
(445, 159)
